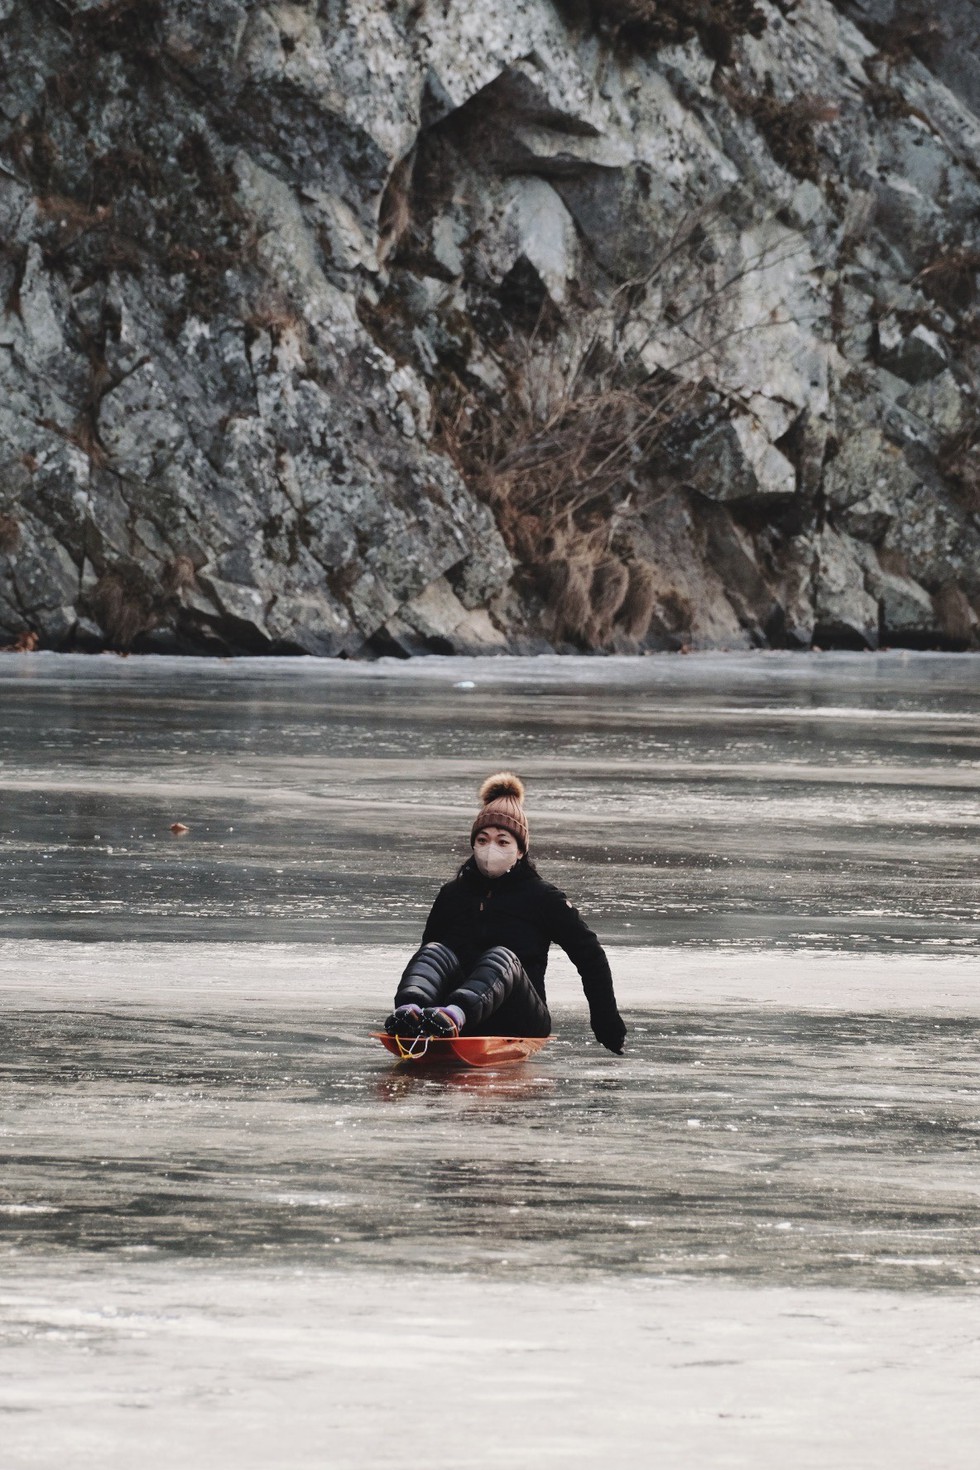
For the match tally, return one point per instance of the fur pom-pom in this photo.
(505, 783)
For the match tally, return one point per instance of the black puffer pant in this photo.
(496, 997)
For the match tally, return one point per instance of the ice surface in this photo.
(233, 1234)
(769, 799)
(114, 1366)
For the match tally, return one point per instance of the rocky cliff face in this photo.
(356, 327)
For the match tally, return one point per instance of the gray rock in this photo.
(844, 610)
(906, 608)
(738, 464)
(869, 481)
(917, 357)
(340, 332)
(943, 38)
(939, 405)
(437, 622)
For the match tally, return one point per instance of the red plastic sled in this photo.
(462, 1051)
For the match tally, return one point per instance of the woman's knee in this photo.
(433, 961)
(438, 954)
(499, 959)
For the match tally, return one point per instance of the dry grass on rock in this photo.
(648, 25)
(126, 604)
(557, 460)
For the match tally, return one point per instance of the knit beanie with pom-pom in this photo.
(503, 806)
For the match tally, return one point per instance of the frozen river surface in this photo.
(233, 1234)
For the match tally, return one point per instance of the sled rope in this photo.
(409, 1053)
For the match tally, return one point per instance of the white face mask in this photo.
(494, 861)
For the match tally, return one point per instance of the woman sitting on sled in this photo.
(480, 970)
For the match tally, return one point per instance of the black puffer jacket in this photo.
(520, 910)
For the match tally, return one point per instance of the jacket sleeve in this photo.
(569, 930)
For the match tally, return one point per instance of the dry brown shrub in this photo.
(125, 605)
(647, 25)
(914, 34)
(178, 574)
(951, 279)
(121, 24)
(395, 214)
(561, 449)
(955, 616)
(959, 462)
(636, 609)
(9, 535)
(85, 435)
(566, 583)
(33, 150)
(558, 473)
(610, 583)
(890, 559)
(25, 642)
(554, 465)
(675, 610)
(529, 539)
(558, 451)
(886, 101)
(787, 125)
(70, 215)
(275, 313)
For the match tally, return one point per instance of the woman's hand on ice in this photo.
(610, 1032)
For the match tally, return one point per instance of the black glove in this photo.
(610, 1032)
